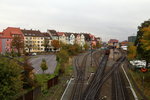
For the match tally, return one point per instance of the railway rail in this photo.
(94, 89)
(77, 92)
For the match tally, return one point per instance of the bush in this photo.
(10, 75)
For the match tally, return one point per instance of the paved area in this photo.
(50, 60)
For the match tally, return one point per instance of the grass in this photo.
(21, 59)
(55, 92)
(137, 76)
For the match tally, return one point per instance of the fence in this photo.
(31, 95)
(52, 82)
(34, 94)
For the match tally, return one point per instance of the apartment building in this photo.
(6, 38)
(33, 40)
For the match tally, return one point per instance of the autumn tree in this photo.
(98, 44)
(140, 32)
(55, 44)
(62, 58)
(44, 65)
(46, 44)
(132, 52)
(86, 46)
(145, 42)
(17, 43)
(10, 77)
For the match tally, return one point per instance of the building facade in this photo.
(6, 38)
(131, 39)
(33, 40)
(62, 37)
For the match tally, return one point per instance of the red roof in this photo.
(60, 33)
(11, 30)
(113, 41)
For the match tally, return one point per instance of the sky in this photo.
(108, 19)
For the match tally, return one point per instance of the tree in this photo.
(55, 44)
(62, 58)
(98, 45)
(86, 47)
(46, 44)
(17, 43)
(44, 65)
(140, 33)
(10, 75)
(145, 44)
(28, 75)
(132, 52)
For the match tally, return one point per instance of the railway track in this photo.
(119, 91)
(93, 86)
(77, 92)
(94, 89)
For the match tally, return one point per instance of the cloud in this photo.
(105, 18)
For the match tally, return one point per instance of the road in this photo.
(50, 60)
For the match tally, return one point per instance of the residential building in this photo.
(124, 43)
(6, 38)
(82, 40)
(70, 37)
(53, 34)
(87, 38)
(62, 37)
(49, 38)
(113, 42)
(33, 40)
(131, 39)
(77, 38)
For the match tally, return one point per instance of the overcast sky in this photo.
(104, 18)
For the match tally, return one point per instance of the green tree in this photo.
(10, 76)
(44, 65)
(17, 43)
(28, 75)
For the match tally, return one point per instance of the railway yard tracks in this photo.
(94, 88)
(77, 92)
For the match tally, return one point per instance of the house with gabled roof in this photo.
(6, 38)
(70, 38)
(62, 37)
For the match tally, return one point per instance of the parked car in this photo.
(138, 63)
(34, 54)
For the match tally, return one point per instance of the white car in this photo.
(34, 54)
(138, 63)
